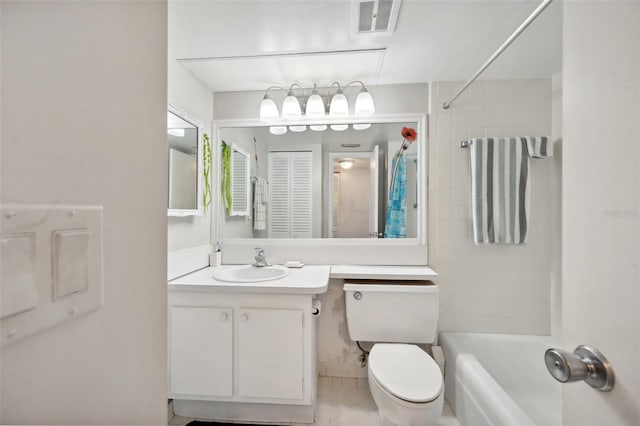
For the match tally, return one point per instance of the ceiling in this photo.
(242, 45)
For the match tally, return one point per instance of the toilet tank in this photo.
(392, 311)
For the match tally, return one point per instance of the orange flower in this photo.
(409, 134)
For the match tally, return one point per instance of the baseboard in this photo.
(243, 411)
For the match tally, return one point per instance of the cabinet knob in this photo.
(224, 316)
(244, 317)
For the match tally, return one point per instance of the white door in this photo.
(201, 358)
(601, 204)
(374, 172)
(270, 353)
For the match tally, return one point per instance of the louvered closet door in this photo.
(279, 190)
(301, 214)
(290, 194)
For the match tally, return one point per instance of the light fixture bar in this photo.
(315, 108)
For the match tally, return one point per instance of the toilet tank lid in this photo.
(406, 371)
(391, 287)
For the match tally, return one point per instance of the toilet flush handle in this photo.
(357, 295)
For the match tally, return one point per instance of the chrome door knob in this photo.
(585, 363)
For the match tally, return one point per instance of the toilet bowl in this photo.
(405, 382)
(406, 385)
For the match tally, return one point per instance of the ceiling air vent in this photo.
(374, 17)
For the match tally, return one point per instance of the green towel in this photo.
(226, 176)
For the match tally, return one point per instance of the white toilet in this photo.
(405, 382)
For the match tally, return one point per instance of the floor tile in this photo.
(343, 401)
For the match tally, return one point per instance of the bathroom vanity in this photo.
(244, 350)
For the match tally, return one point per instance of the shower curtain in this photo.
(396, 218)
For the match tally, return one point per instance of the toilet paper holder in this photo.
(585, 363)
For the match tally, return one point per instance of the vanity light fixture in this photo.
(315, 107)
(346, 164)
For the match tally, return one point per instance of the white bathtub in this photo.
(500, 379)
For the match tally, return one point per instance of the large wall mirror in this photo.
(331, 185)
(184, 136)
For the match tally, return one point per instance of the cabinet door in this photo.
(201, 357)
(271, 353)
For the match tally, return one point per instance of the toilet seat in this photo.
(406, 372)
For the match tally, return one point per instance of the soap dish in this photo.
(293, 264)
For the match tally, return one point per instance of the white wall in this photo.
(84, 122)
(188, 94)
(497, 288)
(601, 203)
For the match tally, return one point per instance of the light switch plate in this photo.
(17, 274)
(66, 271)
(70, 262)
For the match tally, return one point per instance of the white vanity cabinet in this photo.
(244, 351)
(230, 351)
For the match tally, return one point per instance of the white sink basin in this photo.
(251, 274)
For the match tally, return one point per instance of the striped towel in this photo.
(260, 200)
(539, 147)
(500, 190)
(396, 219)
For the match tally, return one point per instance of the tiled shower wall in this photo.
(490, 288)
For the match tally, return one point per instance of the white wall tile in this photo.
(504, 289)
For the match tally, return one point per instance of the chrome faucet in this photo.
(261, 260)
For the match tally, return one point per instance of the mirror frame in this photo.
(199, 210)
(396, 251)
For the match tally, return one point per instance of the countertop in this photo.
(382, 272)
(310, 279)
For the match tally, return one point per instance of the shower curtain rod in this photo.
(497, 53)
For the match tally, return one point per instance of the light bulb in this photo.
(346, 164)
(268, 109)
(291, 107)
(339, 127)
(297, 128)
(339, 105)
(278, 130)
(361, 126)
(315, 106)
(364, 103)
(318, 127)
